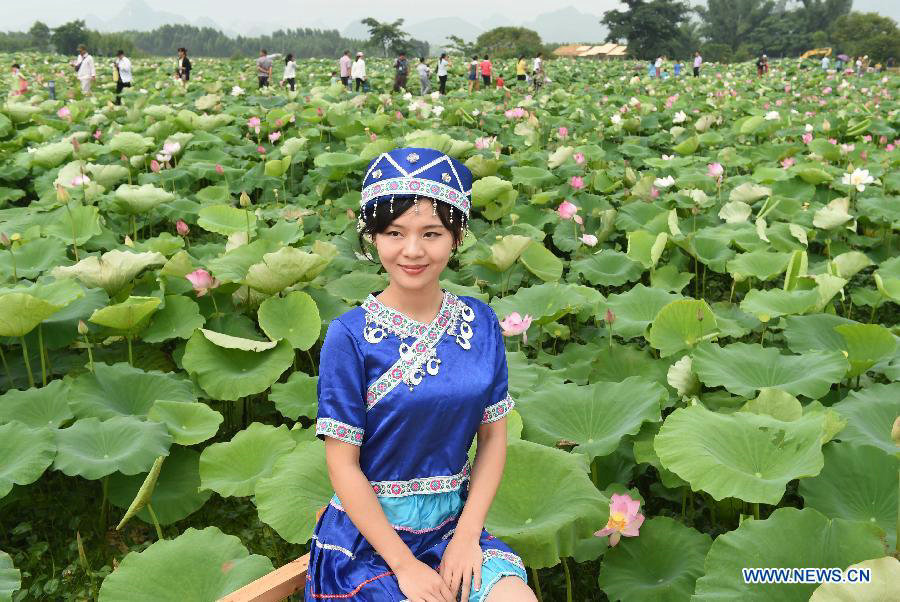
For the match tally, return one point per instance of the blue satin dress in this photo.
(412, 396)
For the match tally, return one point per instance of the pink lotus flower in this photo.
(320, 112)
(826, 90)
(261, 149)
(882, 140)
(75, 145)
(589, 239)
(654, 192)
(867, 138)
(484, 142)
(610, 317)
(253, 122)
(889, 147)
(182, 228)
(171, 148)
(787, 162)
(64, 113)
(563, 132)
(397, 114)
(576, 182)
(373, 136)
(579, 158)
(715, 170)
(154, 166)
(97, 135)
(219, 169)
(514, 324)
(274, 136)
(278, 123)
(807, 137)
(578, 220)
(81, 180)
(567, 210)
(202, 281)
(624, 519)
(832, 140)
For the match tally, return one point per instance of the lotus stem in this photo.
(134, 228)
(130, 354)
(13, 257)
(212, 298)
(595, 477)
(41, 350)
(105, 486)
(248, 225)
(74, 235)
(312, 363)
(756, 510)
(159, 532)
(90, 353)
(27, 361)
(537, 584)
(568, 580)
(872, 313)
(6, 368)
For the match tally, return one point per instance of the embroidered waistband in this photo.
(422, 485)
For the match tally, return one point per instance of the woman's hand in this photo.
(420, 583)
(461, 565)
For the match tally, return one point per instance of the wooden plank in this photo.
(275, 586)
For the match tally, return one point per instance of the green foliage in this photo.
(509, 42)
(651, 28)
(868, 34)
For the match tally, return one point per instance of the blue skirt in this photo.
(343, 566)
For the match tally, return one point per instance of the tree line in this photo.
(738, 30)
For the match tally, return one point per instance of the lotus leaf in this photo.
(636, 309)
(283, 268)
(37, 407)
(772, 303)
(749, 192)
(226, 220)
(178, 319)
(296, 397)
(646, 248)
(128, 316)
(859, 482)
(188, 423)
(122, 390)
(297, 487)
(10, 576)
(189, 567)
(228, 341)
(20, 313)
(233, 468)
(130, 144)
(545, 504)
(743, 369)
(866, 345)
(608, 268)
(870, 414)
(885, 573)
(593, 417)
(747, 456)
(25, 453)
(294, 317)
(356, 286)
(79, 221)
(135, 200)
(681, 325)
(758, 264)
(94, 449)
(775, 403)
(834, 215)
(789, 538)
(662, 564)
(111, 271)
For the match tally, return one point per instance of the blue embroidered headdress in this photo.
(406, 173)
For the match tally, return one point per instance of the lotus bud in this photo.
(610, 316)
(244, 200)
(123, 158)
(895, 431)
(154, 166)
(128, 241)
(16, 237)
(4, 239)
(62, 195)
(75, 144)
(182, 228)
(82, 328)
(219, 169)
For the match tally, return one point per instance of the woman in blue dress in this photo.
(406, 382)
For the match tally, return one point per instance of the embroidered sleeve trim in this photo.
(339, 430)
(440, 484)
(498, 410)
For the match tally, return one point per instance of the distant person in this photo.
(657, 65)
(762, 65)
(263, 69)
(401, 71)
(499, 81)
(424, 76)
(346, 67)
(665, 74)
(889, 63)
(651, 68)
(358, 72)
(444, 65)
(290, 71)
(486, 71)
(473, 74)
(537, 70)
(183, 66)
(334, 78)
(825, 62)
(123, 74)
(521, 67)
(678, 67)
(84, 69)
(698, 61)
(19, 83)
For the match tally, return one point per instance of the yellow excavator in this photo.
(816, 52)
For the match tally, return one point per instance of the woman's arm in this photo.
(360, 503)
(486, 475)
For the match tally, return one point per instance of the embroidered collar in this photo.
(398, 323)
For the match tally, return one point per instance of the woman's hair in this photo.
(383, 217)
(288, 58)
(443, 55)
(485, 57)
(16, 66)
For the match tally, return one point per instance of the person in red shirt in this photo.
(499, 80)
(486, 71)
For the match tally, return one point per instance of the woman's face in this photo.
(415, 248)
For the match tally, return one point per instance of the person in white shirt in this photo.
(358, 72)
(123, 74)
(424, 76)
(698, 61)
(84, 69)
(537, 70)
(658, 65)
(443, 66)
(825, 62)
(290, 71)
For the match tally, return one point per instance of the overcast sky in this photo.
(237, 14)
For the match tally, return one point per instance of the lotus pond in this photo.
(709, 267)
